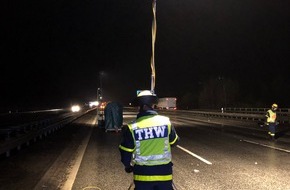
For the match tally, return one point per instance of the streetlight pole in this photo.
(100, 90)
(99, 95)
(100, 112)
(154, 27)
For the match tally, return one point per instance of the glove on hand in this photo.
(129, 169)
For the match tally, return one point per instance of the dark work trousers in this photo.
(158, 185)
(272, 129)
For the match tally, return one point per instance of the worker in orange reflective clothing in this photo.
(271, 117)
(146, 146)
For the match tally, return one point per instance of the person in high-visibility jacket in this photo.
(271, 117)
(146, 146)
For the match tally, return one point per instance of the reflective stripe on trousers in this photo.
(153, 177)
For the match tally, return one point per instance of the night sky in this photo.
(54, 51)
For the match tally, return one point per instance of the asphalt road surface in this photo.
(210, 156)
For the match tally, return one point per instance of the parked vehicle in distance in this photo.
(167, 103)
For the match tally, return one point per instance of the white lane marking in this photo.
(176, 123)
(81, 151)
(92, 187)
(194, 155)
(268, 146)
(129, 116)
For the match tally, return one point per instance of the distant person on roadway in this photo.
(271, 117)
(146, 146)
